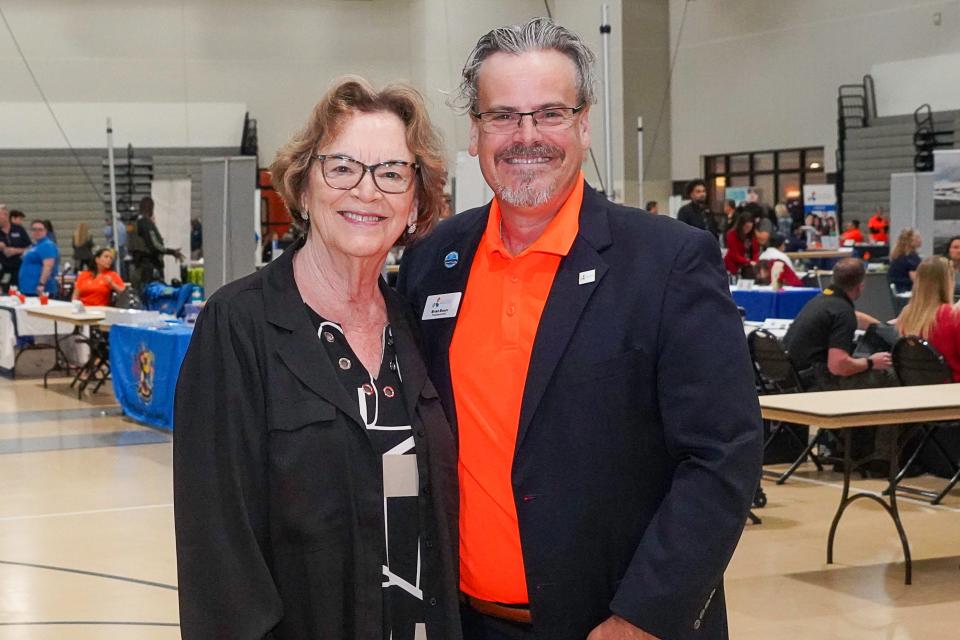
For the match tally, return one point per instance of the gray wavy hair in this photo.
(536, 34)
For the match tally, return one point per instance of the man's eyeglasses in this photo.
(553, 118)
(344, 173)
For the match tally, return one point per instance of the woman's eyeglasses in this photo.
(345, 173)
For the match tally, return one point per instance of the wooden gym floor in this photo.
(87, 549)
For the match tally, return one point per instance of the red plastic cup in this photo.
(44, 297)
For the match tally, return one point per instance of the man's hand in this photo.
(178, 255)
(616, 628)
(882, 360)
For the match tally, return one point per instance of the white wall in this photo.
(275, 58)
(763, 74)
(909, 83)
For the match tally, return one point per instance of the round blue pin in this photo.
(451, 260)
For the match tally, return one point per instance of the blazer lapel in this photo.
(297, 342)
(571, 290)
(451, 280)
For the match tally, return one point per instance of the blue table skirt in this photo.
(763, 304)
(144, 364)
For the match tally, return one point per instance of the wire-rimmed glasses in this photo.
(555, 118)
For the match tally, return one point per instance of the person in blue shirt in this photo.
(40, 263)
(904, 260)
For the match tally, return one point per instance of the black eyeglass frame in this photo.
(367, 167)
(573, 112)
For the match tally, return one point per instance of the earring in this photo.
(412, 228)
(305, 215)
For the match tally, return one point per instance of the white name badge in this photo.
(442, 305)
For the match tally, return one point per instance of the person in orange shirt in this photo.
(605, 471)
(879, 227)
(96, 285)
(852, 234)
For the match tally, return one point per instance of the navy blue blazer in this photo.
(639, 445)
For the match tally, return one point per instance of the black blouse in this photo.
(388, 426)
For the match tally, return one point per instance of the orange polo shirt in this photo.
(489, 358)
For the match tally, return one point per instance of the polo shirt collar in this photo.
(837, 292)
(556, 239)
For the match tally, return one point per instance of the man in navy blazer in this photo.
(636, 450)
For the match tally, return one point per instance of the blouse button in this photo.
(328, 336)
(389, 392)
(368, 388)
(511, 310)
(345, 363)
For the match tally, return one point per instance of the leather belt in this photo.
(510, 612)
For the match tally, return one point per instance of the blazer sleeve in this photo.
(713, 430)
(220, 488)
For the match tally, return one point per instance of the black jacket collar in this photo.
(301, 351)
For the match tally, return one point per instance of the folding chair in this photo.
(899, 300)
(776, 374)
(917, 363)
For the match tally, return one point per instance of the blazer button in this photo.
(433, 602)
(421, 433)
(425, 490)
(428, 543)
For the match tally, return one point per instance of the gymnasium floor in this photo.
(86, 540)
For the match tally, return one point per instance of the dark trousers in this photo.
(477, 626)
(865, 441)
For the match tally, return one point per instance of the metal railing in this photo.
(927, 137)
(856, 107)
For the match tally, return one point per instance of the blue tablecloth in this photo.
(761, 304)
(144, 364)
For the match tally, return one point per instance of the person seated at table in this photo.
(97, 284)
(775, 253)
(931, 314)
(820, 343)
(797, 240)
(38, 269)
(743, 248)
(821, 339)
(951, 251)
(851, 234)
(904, 260)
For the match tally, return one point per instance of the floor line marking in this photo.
(95, 574)
(41, 516)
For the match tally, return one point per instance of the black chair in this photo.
(776, 374)
(917, 363)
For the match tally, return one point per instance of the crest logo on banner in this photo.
(144, 369)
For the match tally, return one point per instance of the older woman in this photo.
(314, 471)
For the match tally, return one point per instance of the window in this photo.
(778, 174)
